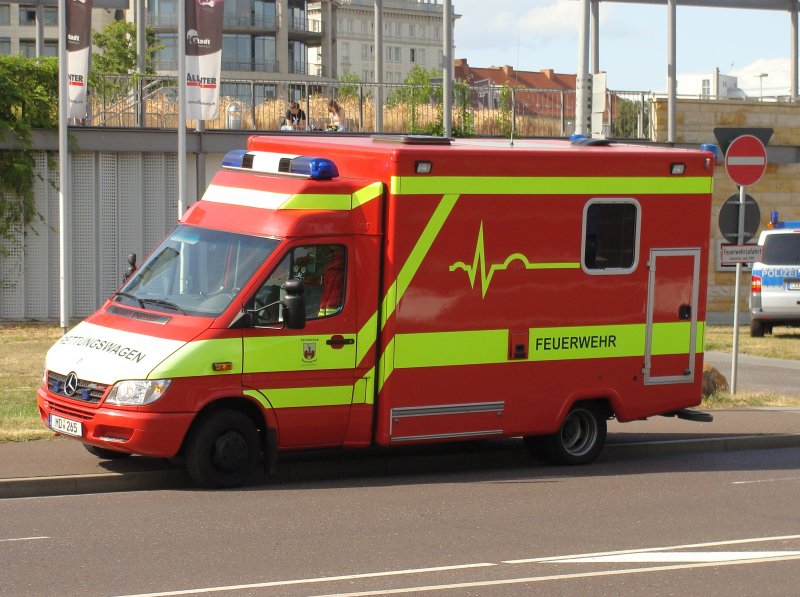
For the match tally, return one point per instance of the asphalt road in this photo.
(758, 374)
(711, 524)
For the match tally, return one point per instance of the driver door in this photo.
(306, 376)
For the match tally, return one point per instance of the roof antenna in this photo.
(513, 102)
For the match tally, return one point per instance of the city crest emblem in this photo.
(309, 352)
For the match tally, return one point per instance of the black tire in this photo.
(222, 450)
(756, 328)
(579, 440)
(106, 454)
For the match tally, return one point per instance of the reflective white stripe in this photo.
(268, 161)
(245, 197)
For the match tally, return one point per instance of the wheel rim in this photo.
(579, 432)
(231, 452)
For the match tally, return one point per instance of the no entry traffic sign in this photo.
(746, 160)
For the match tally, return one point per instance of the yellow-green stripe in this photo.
(196, 358)
(550, 185)
(303, 397)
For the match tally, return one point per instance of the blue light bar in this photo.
(234, 158)
(315, 168)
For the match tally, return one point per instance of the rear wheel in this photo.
(223, 449)
(105, 454)
(756, 328)
(579, 440)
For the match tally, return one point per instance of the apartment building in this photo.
(18, 27)
(412, 36)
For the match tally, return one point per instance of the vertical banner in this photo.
(203, 57)
(79, 47)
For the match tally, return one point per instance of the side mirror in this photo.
(294, 304)
(131, 266)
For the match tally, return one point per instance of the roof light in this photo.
(315, 168)
(234, 159)
(773, 219)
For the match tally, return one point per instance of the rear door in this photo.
(671, 333)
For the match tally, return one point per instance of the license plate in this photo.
(66, 426)
(795, 285)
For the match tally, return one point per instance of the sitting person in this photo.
(295, 118)
(336, 115)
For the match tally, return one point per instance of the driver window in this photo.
(323, 270)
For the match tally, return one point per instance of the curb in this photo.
(323, 469)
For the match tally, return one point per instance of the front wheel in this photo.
(223, 449)
(579, 440)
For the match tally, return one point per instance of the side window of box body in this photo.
(611, 233)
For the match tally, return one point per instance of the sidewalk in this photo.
(63, 467)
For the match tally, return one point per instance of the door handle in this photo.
(338, 341)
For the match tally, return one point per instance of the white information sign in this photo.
(739, 254)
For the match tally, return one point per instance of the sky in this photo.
(538, 34)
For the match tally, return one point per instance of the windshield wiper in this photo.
(130, 296)
(163, 303)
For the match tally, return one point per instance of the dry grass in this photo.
(22, 350)
(783, 343)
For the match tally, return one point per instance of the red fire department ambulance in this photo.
(330, 292)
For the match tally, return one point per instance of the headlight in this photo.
(137, 392)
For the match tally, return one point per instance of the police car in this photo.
(775, 286)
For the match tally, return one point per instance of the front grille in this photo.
(69, 411)
(88, 391)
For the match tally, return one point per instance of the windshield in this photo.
(196, 271)
(782, 249)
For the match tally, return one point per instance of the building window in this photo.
(27, 47)
(611, 235)
(236, 52)
(167, 57)
(393, 54)
(367, 52)
(437, 33)
(298, 58)
(706, 87)
(346, 51)
(27, 16)
(5, 14)
(412, 30)
(417, 55)
(5, 45)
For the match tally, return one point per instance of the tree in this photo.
(348, 91)
(416, 91)
(114, 68)
(117, 42)
(28, 99)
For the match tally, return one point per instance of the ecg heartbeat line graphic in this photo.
(479, 265)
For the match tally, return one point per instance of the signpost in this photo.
(745, 162)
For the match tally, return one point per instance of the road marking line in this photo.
(325, 579)
(667, 548)
(281, 583)
(766, 480)
(533, 579)
(22, 539)
(680, 556)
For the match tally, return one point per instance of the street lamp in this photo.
(761, 84)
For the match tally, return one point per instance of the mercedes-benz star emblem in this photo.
(71, 384)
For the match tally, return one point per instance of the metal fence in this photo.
(260, 105)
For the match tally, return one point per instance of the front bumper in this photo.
(146, 433)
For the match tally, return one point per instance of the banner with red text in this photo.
(79, 49)
(203, 57)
